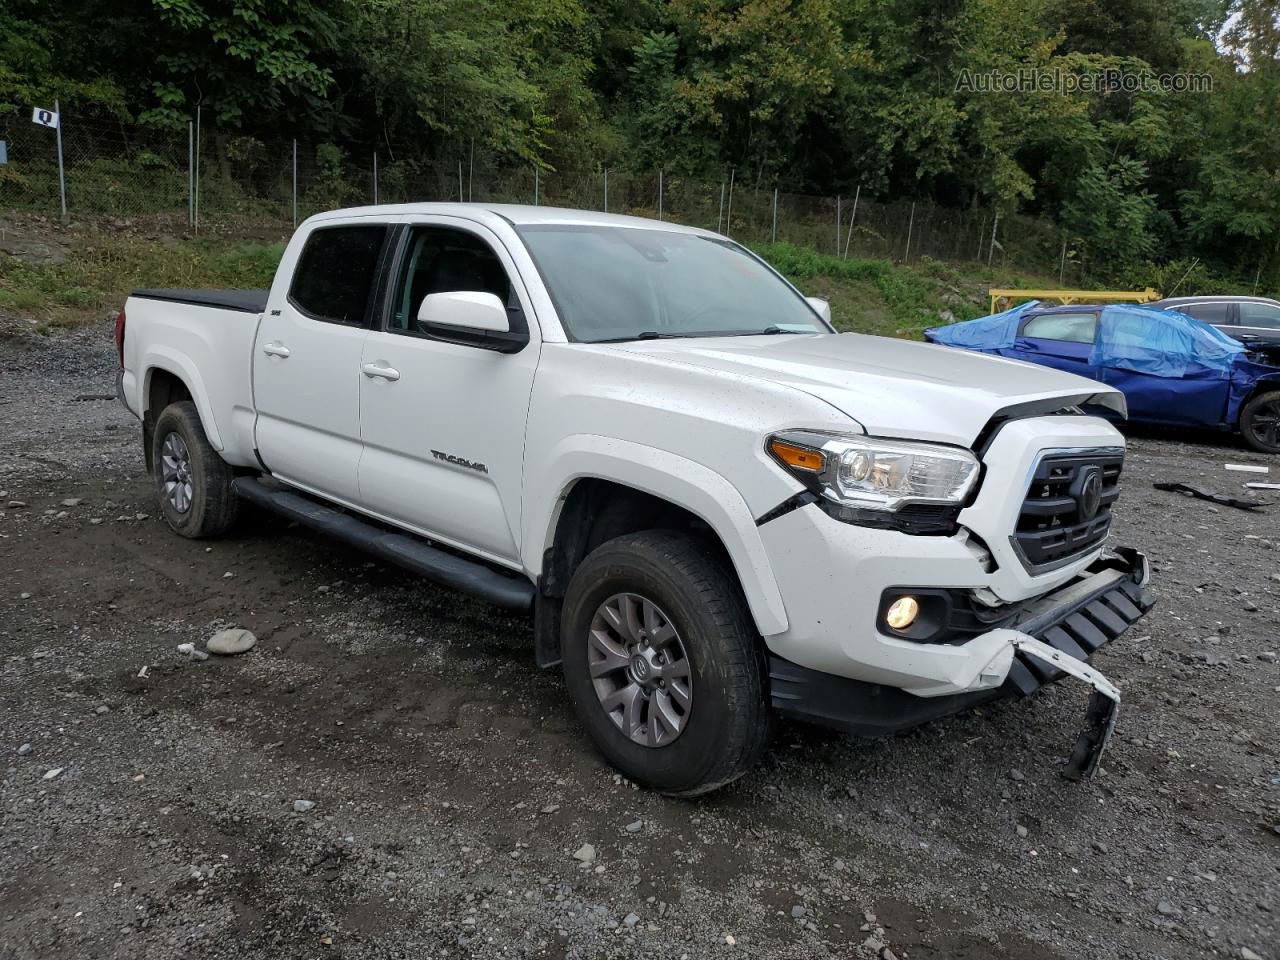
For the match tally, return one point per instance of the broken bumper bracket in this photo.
(1100, 717)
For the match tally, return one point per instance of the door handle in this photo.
(372, 370)
(276, 349)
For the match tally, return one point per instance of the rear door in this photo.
(442, 421)
(1063, 341)
(306, 362)
(1261, 320)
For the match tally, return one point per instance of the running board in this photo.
(406, 550)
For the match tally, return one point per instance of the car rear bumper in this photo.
(1077, 620)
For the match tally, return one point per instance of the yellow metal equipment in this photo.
(1071, 296)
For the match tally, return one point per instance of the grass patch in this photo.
(101, 269)
(890, 299)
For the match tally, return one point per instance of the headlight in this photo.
(876, 474)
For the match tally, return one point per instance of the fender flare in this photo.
(670, 477)
(174, 363)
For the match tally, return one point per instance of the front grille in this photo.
(1058, 521)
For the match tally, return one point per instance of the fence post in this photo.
(375, 178)
(460, 183)
(837, 224)
(535, 185)
(660, 195)
(982, 232)
(295, 183)
(191, 183)
(62, 176)
(853, 216)
(720, 214)
(606, 189)
(991, 247)
(195, 208)
(773, 234)
(1062, 268)
(906, 254)
(728, 215)
(471, 169)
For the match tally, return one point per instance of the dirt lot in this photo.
(153, 814)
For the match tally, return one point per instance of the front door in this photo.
(306, 363)
(443, 423)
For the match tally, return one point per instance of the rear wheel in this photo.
(1260, 422)
(193, 483)
(663, 664)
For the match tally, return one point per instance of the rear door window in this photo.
(335, 275)
(1066, 327)
(1260, 315)
(1218, 314)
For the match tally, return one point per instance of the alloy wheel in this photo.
(175, 472)
(640, 670)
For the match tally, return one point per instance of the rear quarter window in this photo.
(335, 274)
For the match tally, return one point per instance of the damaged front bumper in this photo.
(1054, 636)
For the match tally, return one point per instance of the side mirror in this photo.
(470, 317)
(821, 306)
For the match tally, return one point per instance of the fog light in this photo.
(902, 613)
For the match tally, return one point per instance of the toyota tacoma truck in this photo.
(714, 508)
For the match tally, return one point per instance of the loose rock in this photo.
(585, 853)
(302, 806)
(230, 642)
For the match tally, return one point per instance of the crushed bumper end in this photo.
(1056, 636)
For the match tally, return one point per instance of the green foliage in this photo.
(812, 96)
(1113, 211)
(106, 266)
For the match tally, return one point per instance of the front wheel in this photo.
(193, 483)
(1260, 422)
(663, 664)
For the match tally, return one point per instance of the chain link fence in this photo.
(215, 181)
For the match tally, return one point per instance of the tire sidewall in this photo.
(176, 420)
(1246, 422)
(684, 762)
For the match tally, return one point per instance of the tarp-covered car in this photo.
(1172, 368)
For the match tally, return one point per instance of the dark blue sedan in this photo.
(1172, 368)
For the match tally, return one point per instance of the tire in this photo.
(1260, 422)
(203, 505)
(725, 728)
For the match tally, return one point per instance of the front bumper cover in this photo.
(1056, 636)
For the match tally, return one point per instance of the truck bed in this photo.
(244, 301)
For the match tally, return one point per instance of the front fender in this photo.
(673, 478)
(163, 358)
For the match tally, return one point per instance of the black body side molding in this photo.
(412, 553)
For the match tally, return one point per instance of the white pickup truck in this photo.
(715, 507)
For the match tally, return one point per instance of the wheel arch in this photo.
(164, 372)
(606, 488)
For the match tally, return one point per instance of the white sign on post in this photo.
(46, 118)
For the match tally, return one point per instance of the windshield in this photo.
(624, 283)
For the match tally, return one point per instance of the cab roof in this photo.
(515, 214)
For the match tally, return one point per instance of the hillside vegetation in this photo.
(1144, 131)
(101, 267)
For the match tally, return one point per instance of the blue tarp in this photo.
(1162, 343)
(995, 332)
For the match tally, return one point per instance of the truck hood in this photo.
(893, 388)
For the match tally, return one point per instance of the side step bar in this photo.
(406, 550)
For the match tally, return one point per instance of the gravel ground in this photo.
(149, 808)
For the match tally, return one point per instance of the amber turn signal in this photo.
(799, 458)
